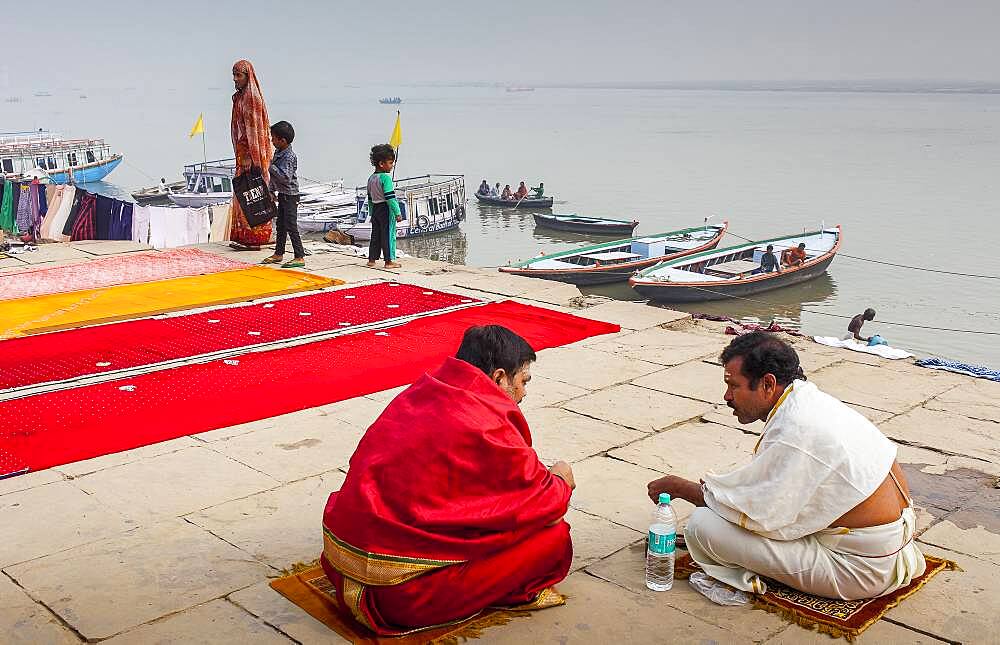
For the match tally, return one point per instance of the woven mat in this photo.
(838, 618)
(313, 593)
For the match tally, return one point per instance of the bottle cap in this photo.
(664, 498)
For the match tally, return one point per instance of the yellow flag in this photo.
(397, 134)
(199, 126)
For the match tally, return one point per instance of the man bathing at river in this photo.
(822, 507)
(854, 327)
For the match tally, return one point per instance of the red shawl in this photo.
(251, 133)
(446, 473)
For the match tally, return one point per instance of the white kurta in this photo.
(816, 460)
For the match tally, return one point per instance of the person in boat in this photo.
(495, 191)
(484, 188)
(446, 509)
(854, 327)
(522, 191)
(768, 262)
(822, 507)
(163, 188)
(506, 194)
(795, 256)
(538, 191)
(251, 134)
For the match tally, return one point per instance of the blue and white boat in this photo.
(44, 154)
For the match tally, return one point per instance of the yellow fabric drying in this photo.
(37, 314)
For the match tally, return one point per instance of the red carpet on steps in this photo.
(91, 350)
(55, 428)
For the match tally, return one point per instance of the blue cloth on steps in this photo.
(961, 368)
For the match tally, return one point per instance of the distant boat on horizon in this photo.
(43, 93)
(520, 89)
(390, 100)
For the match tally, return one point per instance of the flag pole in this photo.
(204, 148)
(397, 152)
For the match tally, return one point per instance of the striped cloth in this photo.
(977, 371)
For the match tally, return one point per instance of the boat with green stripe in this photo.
(616, 261)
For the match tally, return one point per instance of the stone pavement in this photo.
(175, 542)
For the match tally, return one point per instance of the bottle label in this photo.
(663, 544)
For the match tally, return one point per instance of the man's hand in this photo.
(562, 470)
(678, 487)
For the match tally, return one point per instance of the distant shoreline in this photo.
(875, 87)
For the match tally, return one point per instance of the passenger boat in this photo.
(731, 272)
(428, 204)
(616, 261)
(390, 100)
(579, 224)
(211, 182)
(63, 161)
(527, 202)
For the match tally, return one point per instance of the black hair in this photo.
(802, 245)
(381, 152)
(770, 247)
(492, 347)
(870, 313)
(763, 353)
(283, 130)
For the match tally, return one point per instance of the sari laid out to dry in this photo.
(446, 510)
(251, 132)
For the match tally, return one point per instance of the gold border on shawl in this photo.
(770, 415)
(353, 591)
(376, 569)
(546, 598)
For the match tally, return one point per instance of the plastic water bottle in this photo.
(660, 547)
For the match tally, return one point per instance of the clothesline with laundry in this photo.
(35, 212)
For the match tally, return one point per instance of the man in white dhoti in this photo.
(822, 507)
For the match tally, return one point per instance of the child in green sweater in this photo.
(383, 207)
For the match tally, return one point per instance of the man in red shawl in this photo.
(446, 509)
(251, 131)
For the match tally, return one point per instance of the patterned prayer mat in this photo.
(313, 593)
(838, 618)
(52, 312)
(109, 271)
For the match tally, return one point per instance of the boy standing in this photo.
(383, 207)
(285, 184)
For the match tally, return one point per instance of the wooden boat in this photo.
(153, 195)
(730, 272)
(616, 261)
(527, 202)
(579, 224)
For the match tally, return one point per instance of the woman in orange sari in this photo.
(251, 132)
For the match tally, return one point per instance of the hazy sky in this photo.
(116, 43)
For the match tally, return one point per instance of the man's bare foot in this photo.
(392, 265)
(370, 265)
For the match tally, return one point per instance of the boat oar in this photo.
(519, 202)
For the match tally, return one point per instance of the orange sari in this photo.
(251, 132)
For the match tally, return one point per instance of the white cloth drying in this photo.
(884, 351)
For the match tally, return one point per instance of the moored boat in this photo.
(579, 224)
(428, 204)
(616, 261)
(156, 195)
(733, 271)
(527, 202)
(63, 161)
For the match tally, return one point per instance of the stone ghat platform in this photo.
(175, 542)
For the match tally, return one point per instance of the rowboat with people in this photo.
(616, 261)
(579, 224)
(527, 202)
(736, 271)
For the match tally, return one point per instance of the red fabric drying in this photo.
(92, 350)
(60, 427)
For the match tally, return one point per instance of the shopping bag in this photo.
(254, 197)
